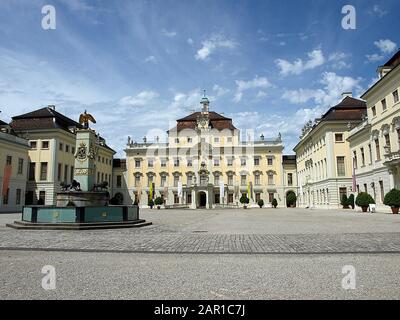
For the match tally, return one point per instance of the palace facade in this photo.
(324, 163)
(375, 143)
(204, 163)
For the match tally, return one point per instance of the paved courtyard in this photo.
(225, 231)
(215, 254)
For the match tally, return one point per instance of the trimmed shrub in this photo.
(351, 201)
(260, 203)
(159, 201)
(344, 201)
(392, 198)
(364, 199)
(244, 199)
(274, 203)
(151, 203)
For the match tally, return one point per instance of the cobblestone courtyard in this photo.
(225, 231)
(216, 254)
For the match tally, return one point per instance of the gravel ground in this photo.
(197, 276)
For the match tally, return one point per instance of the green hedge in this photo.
(392, 198)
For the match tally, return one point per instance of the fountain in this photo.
(82, 204)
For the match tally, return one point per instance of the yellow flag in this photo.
(248, 190)
(151, 190)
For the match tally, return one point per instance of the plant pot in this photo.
(292, 205)
(244, 207)
(346, 207)
(158, 207)
(395, 210)
(365, 209)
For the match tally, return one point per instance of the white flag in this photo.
(221, 189)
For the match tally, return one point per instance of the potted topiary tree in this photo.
(151, 203)
(345, 202)
(158, 202)
(351, 201)
(274, 203)
(363, 200)
(392, 199)
(260, 203)
(291, 199)
(245, 201)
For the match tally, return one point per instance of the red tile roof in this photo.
(217, 121)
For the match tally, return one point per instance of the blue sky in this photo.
(137, 66)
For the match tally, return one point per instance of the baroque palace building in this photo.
(375, 143)
(324, 164)
(204, 163)
(50, 158)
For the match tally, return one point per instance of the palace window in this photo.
(163, 163)
(270, 179)
(270, 197)
(373, 111)
(43, 171)
(257, 161)
(66, 148)
(341, 168)
(189, 140)
(176, 162)
(137, 163)
(257, 180)
(270, 161)
(362, 157)
(230, 180)
(242, 162)
(339, 137)
(290, 179)
(150, 179)
(137, 180)
(342, 192)
(150, 163)
(176, 180)
(66, 173)
(45, 144)
(18, 197)
(189, 179)
(61, 147)
(59, 172)
(258, 197)
(396, 96)
(216, 162)
(377, 150)
(384, 106)
(176, 140)
(163, 180)
(229, 139)
(370, 153)
(243, 179)
(216, 180)
(176, 198)
(387, 141)
(6, 196)
(230, 161)
(230, 197)
(9, 160)
(33, 144)
(42, 197)
(216, 198)
(216, 139)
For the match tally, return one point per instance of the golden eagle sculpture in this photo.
(84, 119)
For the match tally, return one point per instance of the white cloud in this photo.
(190, 41)
(256, 83)
(215, 42)
(140, 100)
(169, 34)
(377, 10)
(316, 59)
(151, 59)
(386, 46)
(338, 60)
(220, 91)
(77, 5)
(333, 86)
